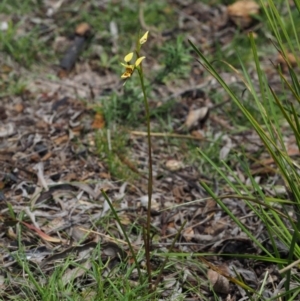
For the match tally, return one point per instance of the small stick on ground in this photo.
(168, 135)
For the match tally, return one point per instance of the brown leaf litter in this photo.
(241, 12)
(52, 175)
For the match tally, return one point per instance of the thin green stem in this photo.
(124, 232)
(150, 177)
(158, 279)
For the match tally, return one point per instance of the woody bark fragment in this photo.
(82, 34)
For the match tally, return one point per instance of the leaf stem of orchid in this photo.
(124, 233)
(150, 177)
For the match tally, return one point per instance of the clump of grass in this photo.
(112, 148)
(273, 113)
(19, 7)
(20, 48)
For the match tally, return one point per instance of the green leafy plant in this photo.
(120, 109)
(176, 60)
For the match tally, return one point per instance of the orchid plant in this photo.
(127, 74)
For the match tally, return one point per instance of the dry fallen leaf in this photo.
(224, 152)
(41, 233)
(289, 59)
(72, 274)
(174, 165)
(240, 12)
(82, 29)
(98, 122)
(80, 233)
(19, 108)
(61, 139)
(188, 233)
(155, 204)
(195, 116)
(7, 130)
(197, 134)
(125, 220)
(219, 283)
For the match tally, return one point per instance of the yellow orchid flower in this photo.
(128, 57)
(129, 69)
(144, 38)
(139, 60)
